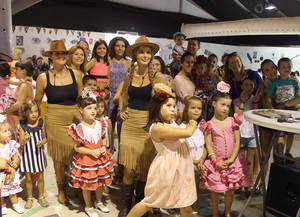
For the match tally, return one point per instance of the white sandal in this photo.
(89, 213)
(103, 209)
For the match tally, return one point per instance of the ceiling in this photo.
(155, 18)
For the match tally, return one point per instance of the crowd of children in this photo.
(208, 143)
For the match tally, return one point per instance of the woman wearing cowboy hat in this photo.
(136, 153)
(62, 87)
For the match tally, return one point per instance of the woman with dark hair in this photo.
(77, 59)
(159, 66)
(185, 87)
(136, 154)
(119, 67)
(62, 87)
(234, 73)
(99, 67)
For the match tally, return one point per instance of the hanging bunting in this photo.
(89, 34)
(26, 28)
(67, 31)
(50, 31)
(13, 28)
(55, 30)
(91, 41)
(44, 29)
(72, 32)
(83, 33)
(38, 29)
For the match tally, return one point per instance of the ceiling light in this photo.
(270, 6)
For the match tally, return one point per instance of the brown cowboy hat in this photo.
(142, 41)
(55, 46)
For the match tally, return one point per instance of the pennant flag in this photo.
(13, 28)
(44, 29)
(89, 34)
(83, 33)
(26, 28)
(72, 32)
(38, 29)
(55, 30)
(67, 31)
(50, 31)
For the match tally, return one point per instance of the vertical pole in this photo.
(5, 31)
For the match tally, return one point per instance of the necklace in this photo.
(143, 78)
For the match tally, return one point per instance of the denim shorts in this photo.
(248, 142)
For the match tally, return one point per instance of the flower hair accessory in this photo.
(87, 93)
(223, 87)
(162, 96)
(201, 59)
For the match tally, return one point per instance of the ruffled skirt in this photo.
(89, 173)
(12, 188)
(232, 178)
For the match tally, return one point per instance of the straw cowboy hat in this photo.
(55, 46)
(141, 41)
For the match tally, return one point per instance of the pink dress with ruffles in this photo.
(237, 174)
(88, 172)
(171, 179)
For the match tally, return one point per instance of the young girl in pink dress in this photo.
(8, 166)
(92, 165)
(171, 179)
(99, 67)
(226, 170)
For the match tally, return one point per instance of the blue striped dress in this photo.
(33, 158)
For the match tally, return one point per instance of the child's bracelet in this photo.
(211, 154)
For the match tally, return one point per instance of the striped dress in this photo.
(33, 157)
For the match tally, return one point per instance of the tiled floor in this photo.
(114, 199)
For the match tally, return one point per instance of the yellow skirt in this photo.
(58, 119)
(136, 148)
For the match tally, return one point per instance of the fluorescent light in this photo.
(270, 6)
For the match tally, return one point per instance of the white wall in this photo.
(35, 43)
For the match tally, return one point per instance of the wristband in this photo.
(211, 154)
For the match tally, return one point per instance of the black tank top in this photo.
(139, 97)
(62, 95)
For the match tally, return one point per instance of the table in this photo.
(271, 123)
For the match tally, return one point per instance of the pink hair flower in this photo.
(223, 87)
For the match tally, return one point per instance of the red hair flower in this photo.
(162, 96)
(201, 59)
(223, 87)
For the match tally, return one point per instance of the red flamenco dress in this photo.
(88, 172)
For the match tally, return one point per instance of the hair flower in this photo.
(162, 96)
(223, 87)
(201, 59)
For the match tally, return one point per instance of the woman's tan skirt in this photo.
(58, 119)
(136, 148)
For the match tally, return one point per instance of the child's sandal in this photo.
(28, 204)
(43, 202)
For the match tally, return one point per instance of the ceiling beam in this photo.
(20, 5)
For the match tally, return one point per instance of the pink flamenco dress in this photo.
(171, 179)
(237, 173)
(88, 172)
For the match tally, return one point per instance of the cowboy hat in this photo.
(142, 41)
(55, 46)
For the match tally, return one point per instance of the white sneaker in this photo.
(102, 207)
(18, 208)
(4, 210)
(89, 213)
